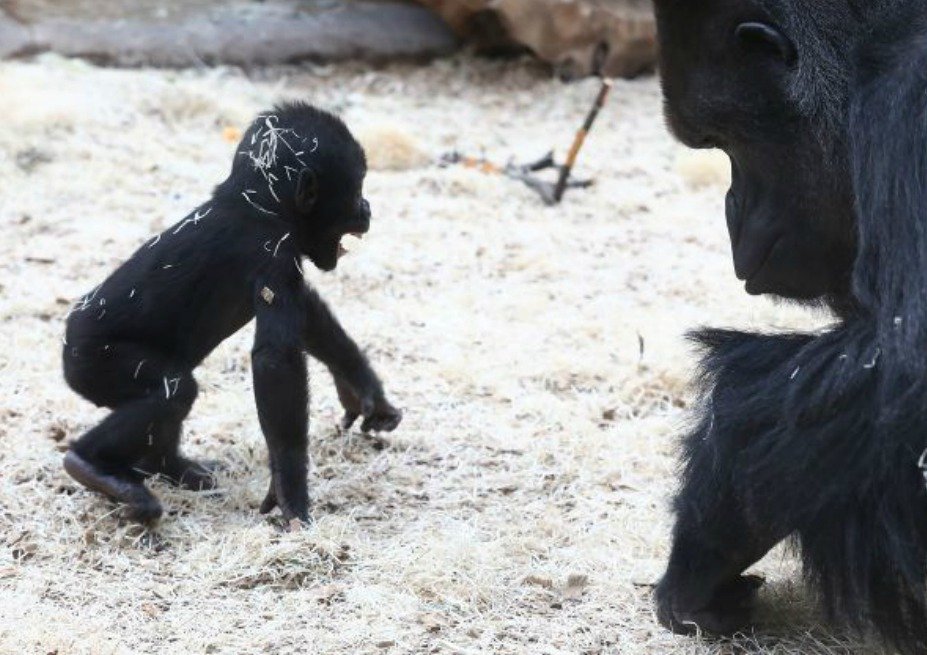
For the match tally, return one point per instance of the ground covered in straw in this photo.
(538, 354)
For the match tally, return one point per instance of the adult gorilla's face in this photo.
(730, 81)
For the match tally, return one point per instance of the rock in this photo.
(15, 39)
(173, 33)
(578, 37)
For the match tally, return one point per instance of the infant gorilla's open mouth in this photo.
(342, 251)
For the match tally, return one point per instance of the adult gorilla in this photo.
(822, 107)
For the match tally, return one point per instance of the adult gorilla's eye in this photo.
(768, 39)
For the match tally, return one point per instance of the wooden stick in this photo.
(580, 139)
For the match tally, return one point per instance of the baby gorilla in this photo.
(294, 191)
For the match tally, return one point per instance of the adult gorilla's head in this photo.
(768, 83)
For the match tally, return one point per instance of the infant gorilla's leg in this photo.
(145, 392)
(164, 458)
(103, 459)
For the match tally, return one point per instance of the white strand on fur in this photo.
(711, 424)
(875, 360)
(84, 302)
(245, 195)
(170, 387)
(284, 238)
(195, 220)
(267, 140)
(922, 465)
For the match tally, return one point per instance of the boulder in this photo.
(616, 38)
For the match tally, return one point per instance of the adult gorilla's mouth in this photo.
(763, 277)
(752, 257)
(753, 240)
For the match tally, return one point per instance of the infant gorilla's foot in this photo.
(730, 608)
(183, 472)
(141, 505)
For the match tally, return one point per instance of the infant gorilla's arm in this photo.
(359, 389)
(289, 324)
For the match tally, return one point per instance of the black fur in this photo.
(819, 437)
(294, 191)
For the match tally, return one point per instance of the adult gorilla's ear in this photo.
(307, 190)
(763, 37)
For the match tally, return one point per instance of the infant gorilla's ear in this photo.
(307, 190)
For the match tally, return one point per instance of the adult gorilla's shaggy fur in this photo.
(821, 437)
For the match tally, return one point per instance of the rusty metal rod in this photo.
(567, 169)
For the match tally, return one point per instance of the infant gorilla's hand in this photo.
(378, 414)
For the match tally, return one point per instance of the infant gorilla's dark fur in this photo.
(294, 191)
